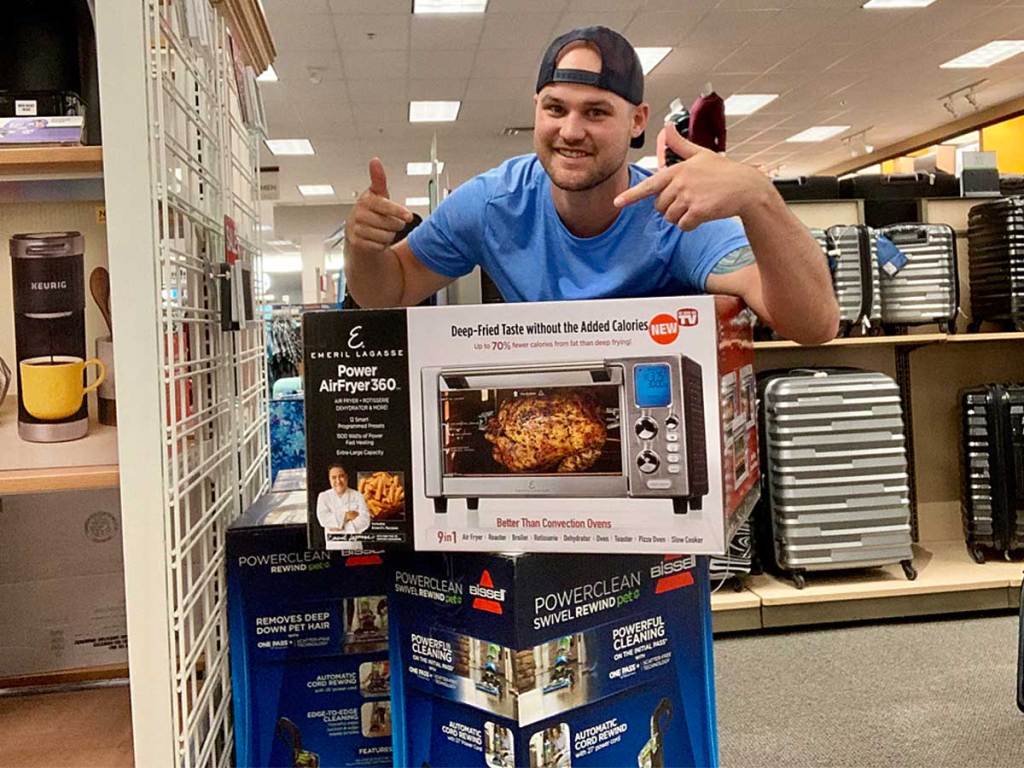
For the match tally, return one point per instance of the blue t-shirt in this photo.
(505, 221)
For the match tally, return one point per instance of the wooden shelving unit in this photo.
(909, 340)
(733, 611)
(51, 162)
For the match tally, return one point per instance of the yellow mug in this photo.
(51, 386)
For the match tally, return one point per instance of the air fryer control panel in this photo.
(654, 427)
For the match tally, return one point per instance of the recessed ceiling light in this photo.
(986, 55)
(818, 133)
(748, 103)
(449, 6)
(269, 76)
(423, 169)
(648, 162)
(651, 57)
(897, 3)
(417, 202)
(316, 190)
(433, 111)
(290, 146)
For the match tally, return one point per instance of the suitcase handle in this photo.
(905, 178)
(904, 236)
(790, 181)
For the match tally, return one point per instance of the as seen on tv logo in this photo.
(664, 328)
(485, 596)
(672, 573)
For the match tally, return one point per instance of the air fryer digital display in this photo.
(653, 385)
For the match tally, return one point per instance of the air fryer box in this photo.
(549, 662)
(600, 426)
(308, 633)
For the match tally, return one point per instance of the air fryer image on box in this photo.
(499, 746)
(374, 678)
(384, 493)
(375, 719)
(366, 624)
(549, 748)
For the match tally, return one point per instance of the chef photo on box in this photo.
(341, 509)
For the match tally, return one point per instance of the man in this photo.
(341, 509)
(576, 221)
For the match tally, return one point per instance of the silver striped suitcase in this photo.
(995, 237)
(927, 289)
(851, 250)
(837, 485)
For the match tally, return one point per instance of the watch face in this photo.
(653, 385)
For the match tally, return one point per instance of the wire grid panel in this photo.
(195, 159)
(241, 160)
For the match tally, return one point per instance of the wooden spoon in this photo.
(99, 286)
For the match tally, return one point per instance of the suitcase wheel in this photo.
(737, 584)
(909, 570)
(977, 554)
(974, 326)
(893, 329)
(798, 580)
(948, 327)
(844, 329)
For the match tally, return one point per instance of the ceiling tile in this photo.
(457, 65)
(491, 63)
(458, 32)
(448, 89)
(718, 27)
(592, 6)
(375, 64)
(520, 31)
(298, 65)
(372, 32)
(572, 19)
(663, 28)
(500, 88)
(378, 90)
(360, 6)
(752, 59)
(304, 32)
(525, 6)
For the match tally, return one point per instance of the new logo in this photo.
(664, 328)
(485, 596)
(672, 573)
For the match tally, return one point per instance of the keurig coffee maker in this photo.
(49, 334)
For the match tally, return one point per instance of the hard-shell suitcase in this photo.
(761, 331)
(1011, 185)
(851, 251)
(995, 238)
(737, 562)
(807, 187)
(992, 469)
(926, 288)
(895, 198)
(835, 487)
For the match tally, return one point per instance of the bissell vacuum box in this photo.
(622, 425)
(308, 630)
(547, 661)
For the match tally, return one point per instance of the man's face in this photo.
(581, 133)
(338, 480)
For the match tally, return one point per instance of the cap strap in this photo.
(580, 76)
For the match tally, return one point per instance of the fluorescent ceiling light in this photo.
(987, 55)
(449, 6)
(818, 133)
(433, 111)
(266, 227)
(282, 263)
(270, 76)
(423, 169)
(651, 57)
(290, 146)
(748, 103)
(315, 190)
(417, 202)
(897, 3)
(648, 162)
(279, 243)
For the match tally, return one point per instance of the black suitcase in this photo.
(995, 238)
(895, 198)
(1011, 185)
(807, 187)
(992, 470)
(1020, 653)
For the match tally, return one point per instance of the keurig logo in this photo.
(52, 285)
(672, 573)
(485, 596)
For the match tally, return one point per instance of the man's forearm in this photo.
(374, 280)
(796, 286)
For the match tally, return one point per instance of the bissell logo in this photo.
(672, 573)
(485, 596)
(687, 317)
(663, 328)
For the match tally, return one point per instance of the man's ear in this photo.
(641, 114)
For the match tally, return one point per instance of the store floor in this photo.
(921, 693)
(82, 729)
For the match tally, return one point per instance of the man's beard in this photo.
(599, 176)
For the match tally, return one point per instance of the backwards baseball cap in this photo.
(620, 73)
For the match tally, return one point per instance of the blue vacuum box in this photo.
(551, 661)
(308, 633)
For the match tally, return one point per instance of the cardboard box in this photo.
(598, 426)
(551, 662)
(308, 635)
(61, 582)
